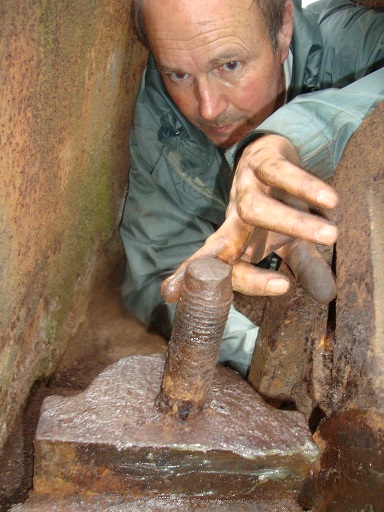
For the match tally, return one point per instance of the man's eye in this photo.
(231, 66)
(179, 76)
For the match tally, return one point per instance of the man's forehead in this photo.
(194, 23)
(196, 4)
(194, 8)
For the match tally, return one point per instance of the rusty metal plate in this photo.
(349, 475)
(112, 438)
(161, 504)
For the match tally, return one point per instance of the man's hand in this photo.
(268, 211)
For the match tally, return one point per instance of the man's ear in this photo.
(286, 30)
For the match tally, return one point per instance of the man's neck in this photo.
(286, 79)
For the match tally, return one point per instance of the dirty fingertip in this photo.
(326, 235)
(328, 198)
(277, 286)
(170, 289)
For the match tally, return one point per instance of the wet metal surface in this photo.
(168, 504)
(358, 355)
(112, 438)
(328, 358)
(351, 473)
(197, 332)
(284, 366)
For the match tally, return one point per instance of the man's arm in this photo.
(267, 212)
(312, 132)
(158, 233)
(319, 125)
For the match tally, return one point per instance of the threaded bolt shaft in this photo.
(198, 327)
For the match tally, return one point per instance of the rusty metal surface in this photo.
(112, 438)
(338, 368)
(294, 328)
(69, 75)
(200, 318)
(358, 355)
(329, 358)
(168, 504)
(350, 473)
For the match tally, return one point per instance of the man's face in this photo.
(217, 62)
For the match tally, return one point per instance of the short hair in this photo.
(271, 10)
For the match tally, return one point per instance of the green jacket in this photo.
(179, 182)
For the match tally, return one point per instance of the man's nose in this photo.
(211, 98)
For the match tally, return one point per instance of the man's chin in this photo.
(223, 142)
(227, 139)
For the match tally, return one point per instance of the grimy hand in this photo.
(268, 211)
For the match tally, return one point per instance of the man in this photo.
(216, 97)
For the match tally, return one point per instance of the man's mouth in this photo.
(222, 130)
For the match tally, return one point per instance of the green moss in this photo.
(85, 221)
(44, 368)
(8, 356)
(87, 224)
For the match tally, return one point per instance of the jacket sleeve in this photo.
(351, 74)
(158, 234)
(319, 124)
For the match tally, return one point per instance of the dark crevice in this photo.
(315, 419)
(288, 405)
(331, 321)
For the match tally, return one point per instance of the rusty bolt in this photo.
(198, 327)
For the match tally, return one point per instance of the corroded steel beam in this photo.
(291, 347)
(329, 361)
(358, 354)
(329, 358)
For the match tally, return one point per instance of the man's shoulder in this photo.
(335, 43)
(353, 38)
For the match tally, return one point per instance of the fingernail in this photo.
(277, 286)
(327, 198)
(326, 235)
